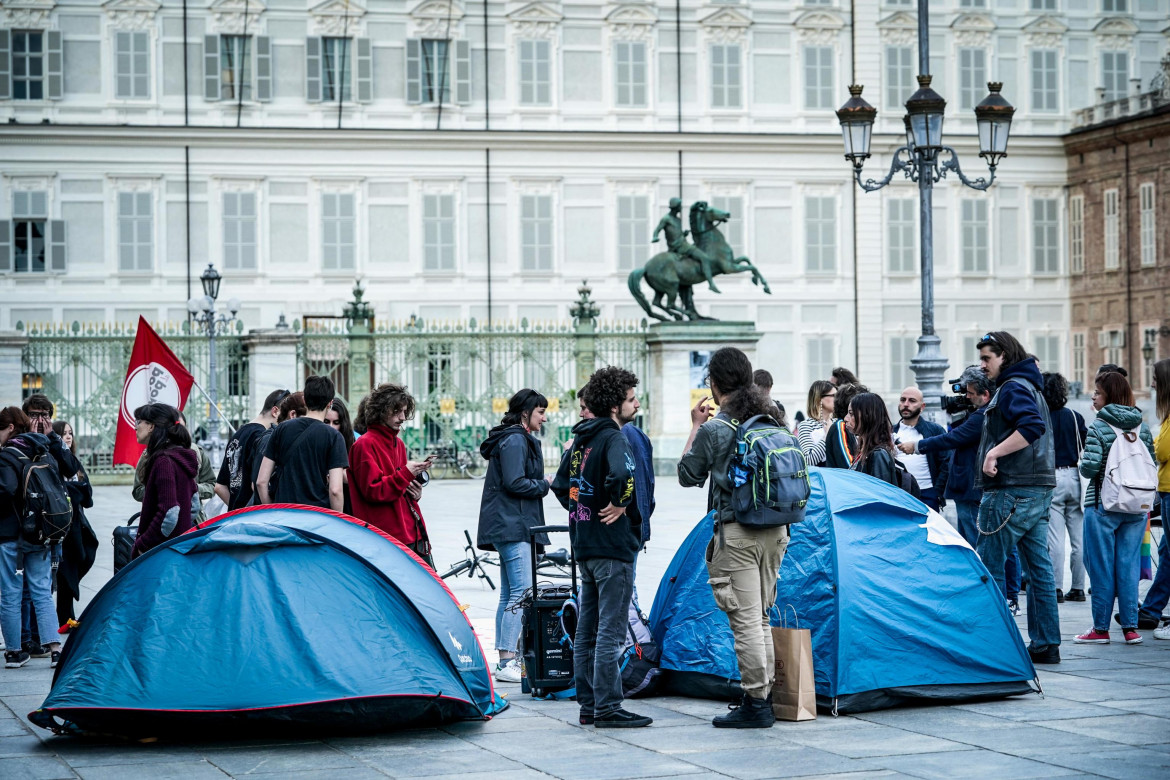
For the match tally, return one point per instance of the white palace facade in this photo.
(298, 145)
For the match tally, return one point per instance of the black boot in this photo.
(749, 713)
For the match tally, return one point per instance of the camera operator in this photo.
(964, 440)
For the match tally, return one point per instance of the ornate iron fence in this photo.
(81, 368)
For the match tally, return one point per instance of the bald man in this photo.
(930, 470)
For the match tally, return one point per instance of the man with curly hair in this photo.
(382, 480)
(595, 483)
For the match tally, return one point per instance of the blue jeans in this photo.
(930, 498)
(515, 579)
(1159, 593)
(606, 587)
(1113, 544)
(1019, 516)
(21, 562)
(968, 514)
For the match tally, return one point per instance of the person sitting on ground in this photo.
(169, 468)
(595, 483)
(810, 432)
(233, 485)
(931, 471)
(385, 484)
(511, 505)
(309, 453)
(1066, 518)
(840, 440)
(1114, 539)
(743, 563)
(23, 562)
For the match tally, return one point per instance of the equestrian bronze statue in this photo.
(674, 273)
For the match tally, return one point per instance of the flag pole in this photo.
(222, 416)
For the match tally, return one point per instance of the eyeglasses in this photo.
(830, 395)
(40, 415)
(989, 337)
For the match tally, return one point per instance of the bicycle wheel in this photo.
(472, 465)
(441, 467)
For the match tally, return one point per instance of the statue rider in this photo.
(676, 240)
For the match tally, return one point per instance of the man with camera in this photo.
(963, 438)
(930, 467)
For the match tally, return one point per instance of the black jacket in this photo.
(1018, 405)
(10, 487)
(599, 471)
(964, 440)
(512, 489)
(880, 465)
(79, 547)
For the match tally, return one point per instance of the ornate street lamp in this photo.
(203, 312)
(921, 159)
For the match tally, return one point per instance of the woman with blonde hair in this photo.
(812, 429)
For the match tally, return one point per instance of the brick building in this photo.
(1118, 233)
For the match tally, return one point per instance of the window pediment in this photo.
(973, 30)
(1045, 32)
(33, 14)
(726, 25)
(1115, 33)
(900, 29)
(235, 17)
(819, 27)
(337, 18)
(632, 22)
(131, 14)
(431, 18)
(535, 20)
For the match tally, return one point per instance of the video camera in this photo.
(958, 403)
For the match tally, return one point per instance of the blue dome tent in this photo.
(271, 618)
(901, 609)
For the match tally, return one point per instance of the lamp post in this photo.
(203, 311)
(925, 160)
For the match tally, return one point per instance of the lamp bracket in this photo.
(897, 164)
(952, 164)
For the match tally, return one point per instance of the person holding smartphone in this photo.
(385, 485)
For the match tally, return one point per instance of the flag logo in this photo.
(149, 384)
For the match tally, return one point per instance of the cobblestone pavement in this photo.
(1106, 712)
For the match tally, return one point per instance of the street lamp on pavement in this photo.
(925, 159)
(203, 312)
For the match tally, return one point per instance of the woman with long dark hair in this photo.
(870, 421)
(337, 415)
(79, 548)
(1113, 540)
(170, 467)
(513, 490)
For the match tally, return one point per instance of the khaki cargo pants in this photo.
(743, 564)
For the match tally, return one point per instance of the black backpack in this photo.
(42, 500)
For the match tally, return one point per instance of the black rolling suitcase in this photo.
(124, 536)
(546, 650)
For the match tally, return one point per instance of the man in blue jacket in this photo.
(930, 470)
(1018, 473)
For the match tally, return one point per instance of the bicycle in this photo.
(449, 459)
(553, 563)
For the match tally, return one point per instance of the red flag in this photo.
(155, 375)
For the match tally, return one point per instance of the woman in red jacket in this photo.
(170, 469)
(382, 481)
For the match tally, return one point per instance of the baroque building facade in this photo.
(464, 155)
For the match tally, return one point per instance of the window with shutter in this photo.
(364, 63)
(132, 65)
(5, 65)
(536, 232)
(1112, 247)
(30, 232)
(413, 70)
(336, 69)
(439, 232)
(338, 231)
(263, 69)
(57, 245)
(820, 234)
(535, 67)
(974, 241)
(239, 231)
(725, 76)
(630, 74)
(235, 62)
(1148, 226)
(211, 67)
(1045, 235)
(1076, 234)
(28, 65)
(313, 70)
(54, 65)
(135, 231)
(462, 69)
(5, 246)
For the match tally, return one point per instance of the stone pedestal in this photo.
(12, 344)
(272, 363)
(671, 381)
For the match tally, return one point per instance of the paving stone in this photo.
(778, 760)
(179, 770)
(1127, 729)
(876, 774)
(944, 766)
(1132, 673)
(1028, 708)
(35, 768)
(1087, 689)
(880, 741)
(283, 759)
(80, 752)
(683, 740)
(447, 763)
(1158, 707)
(1020, 739)
(626, 764)
(1121, 764)
(21, 746)
(13, 727)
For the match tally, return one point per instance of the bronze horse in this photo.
(671, 276)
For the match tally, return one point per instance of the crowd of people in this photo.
(1011, 463)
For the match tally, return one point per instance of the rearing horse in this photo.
(674, 278)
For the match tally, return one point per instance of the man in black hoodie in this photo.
(1018, 473)
(595, 483)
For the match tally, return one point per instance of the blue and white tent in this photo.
(271, 618)
(900, 607)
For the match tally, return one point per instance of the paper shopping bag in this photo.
(794, 695)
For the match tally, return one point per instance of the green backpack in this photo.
(768, 474)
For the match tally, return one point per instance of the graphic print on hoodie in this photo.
(599, 471)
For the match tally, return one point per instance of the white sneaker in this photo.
(509, 671)
(1162, 632)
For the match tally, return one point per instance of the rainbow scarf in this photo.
(1145, 558)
